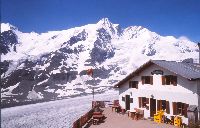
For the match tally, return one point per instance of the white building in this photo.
(168, 85)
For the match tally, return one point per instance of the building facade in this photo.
(161, 85)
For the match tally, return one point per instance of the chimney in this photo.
(199, 52)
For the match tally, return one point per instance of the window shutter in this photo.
(158, 105)
(182, 109)
(143, 79)
(151, 80)
(174, 80)
(167, 107)
(174, 108)
(147, 100)
(143, 102)
(129, 84)
(163, 80)
(167, 79)
(136, 82)
(140, 101)
(185, 109)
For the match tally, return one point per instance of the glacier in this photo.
(53, 114)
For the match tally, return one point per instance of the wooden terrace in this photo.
(114, 117)
(118, 120)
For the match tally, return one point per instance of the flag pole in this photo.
(93, 83)
(93, 92)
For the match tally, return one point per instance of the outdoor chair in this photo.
(97, 117)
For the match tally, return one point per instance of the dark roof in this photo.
(189, 71)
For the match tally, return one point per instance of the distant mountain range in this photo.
(53, 65)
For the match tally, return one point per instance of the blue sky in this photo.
(165, 17)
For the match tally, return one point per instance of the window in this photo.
(169, 80)
(163, 105)
(147, 80)
(143, 101)
(180, 108)
(133, 84)
(131, 100)
(123, 98)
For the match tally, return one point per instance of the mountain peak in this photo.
(104, 21)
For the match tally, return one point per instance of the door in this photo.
(152, 107)
(127, 102)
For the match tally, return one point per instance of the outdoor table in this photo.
(132, 114)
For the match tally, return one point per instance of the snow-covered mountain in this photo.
(53, 64)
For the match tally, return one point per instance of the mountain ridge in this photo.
(54, 64)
